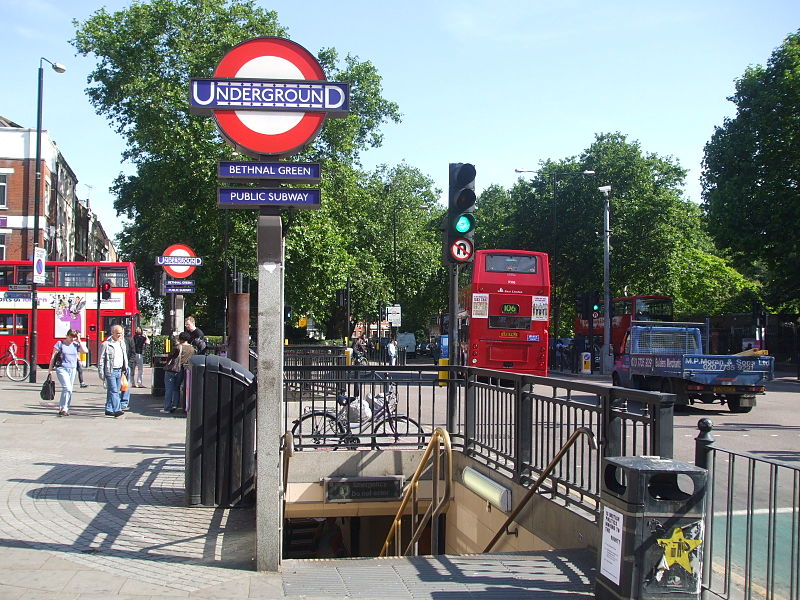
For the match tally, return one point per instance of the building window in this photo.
(3, 190)
(2, 246)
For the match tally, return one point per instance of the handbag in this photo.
(123, 383)
(48, 392)
(59, 359)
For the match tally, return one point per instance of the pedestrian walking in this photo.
(65, 361)
(139, 342)
(177, 361)
(391, 350)
(111, 363)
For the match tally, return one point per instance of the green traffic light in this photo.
(465, 223)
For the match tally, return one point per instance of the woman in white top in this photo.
(67, 350)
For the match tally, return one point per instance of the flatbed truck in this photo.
(669, 358)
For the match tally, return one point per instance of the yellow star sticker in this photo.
(677, 549)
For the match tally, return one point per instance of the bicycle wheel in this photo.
(17, 369)
(321, 428)
(399, 431)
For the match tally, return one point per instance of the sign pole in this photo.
(269, 492)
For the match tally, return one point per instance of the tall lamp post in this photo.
(605, 351)
(554, 251)
(37, 199)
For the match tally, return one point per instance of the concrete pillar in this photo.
(269, 419)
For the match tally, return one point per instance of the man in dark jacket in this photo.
(196, 337)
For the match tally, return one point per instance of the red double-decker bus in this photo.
(623, 311)
(66, 300)
(504, 313)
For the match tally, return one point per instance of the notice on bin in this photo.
(611, 550)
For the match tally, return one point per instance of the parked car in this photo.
(423, 349)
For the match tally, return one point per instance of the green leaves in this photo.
(146, 54)
(752, 173)
(658, 241)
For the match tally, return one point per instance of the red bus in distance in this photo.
(623, 311)
(67, 300)
(504, 313)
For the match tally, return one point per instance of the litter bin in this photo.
(652, 529)
(220, 433)
(159, 362)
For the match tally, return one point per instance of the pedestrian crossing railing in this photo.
(752, 529)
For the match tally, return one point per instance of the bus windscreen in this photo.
(511, 263)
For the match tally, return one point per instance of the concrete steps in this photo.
(530, 575)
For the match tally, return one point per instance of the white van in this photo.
(409, 342)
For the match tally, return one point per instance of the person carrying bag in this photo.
(173, 372)
(65, 362)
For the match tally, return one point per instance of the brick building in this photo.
(67, 227)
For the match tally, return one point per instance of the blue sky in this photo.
(502, 84)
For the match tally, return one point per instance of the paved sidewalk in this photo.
(92, 507)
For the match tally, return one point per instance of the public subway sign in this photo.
(269, 97)
(279, 197)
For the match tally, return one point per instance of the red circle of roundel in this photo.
(179, 250)
(243, 137)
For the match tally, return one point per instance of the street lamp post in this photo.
(605, 352)
(554, 250)
(37, 198)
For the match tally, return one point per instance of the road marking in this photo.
(756, 511)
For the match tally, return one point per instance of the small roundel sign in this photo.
(179, 261)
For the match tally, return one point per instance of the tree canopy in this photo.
(751, 176)
(146, 54)
(658, 244)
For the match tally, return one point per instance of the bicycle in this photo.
(375, 417)
(17, 369)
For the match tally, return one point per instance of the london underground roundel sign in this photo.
(179, 261)
(269, 97)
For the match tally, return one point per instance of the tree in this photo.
(751, 176)
(657, 236)
(146, 54)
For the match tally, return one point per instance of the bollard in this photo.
(586, 363)
(652, 529)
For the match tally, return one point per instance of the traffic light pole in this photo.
(453, 349)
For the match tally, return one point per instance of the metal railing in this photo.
(439, 448)
(515, 424)
(752, 529)
(535, 487)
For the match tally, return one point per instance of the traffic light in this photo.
(287, 312)
(584, 305)
(342, 297)
(105, 289)
(595, 301)
(460, 219)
